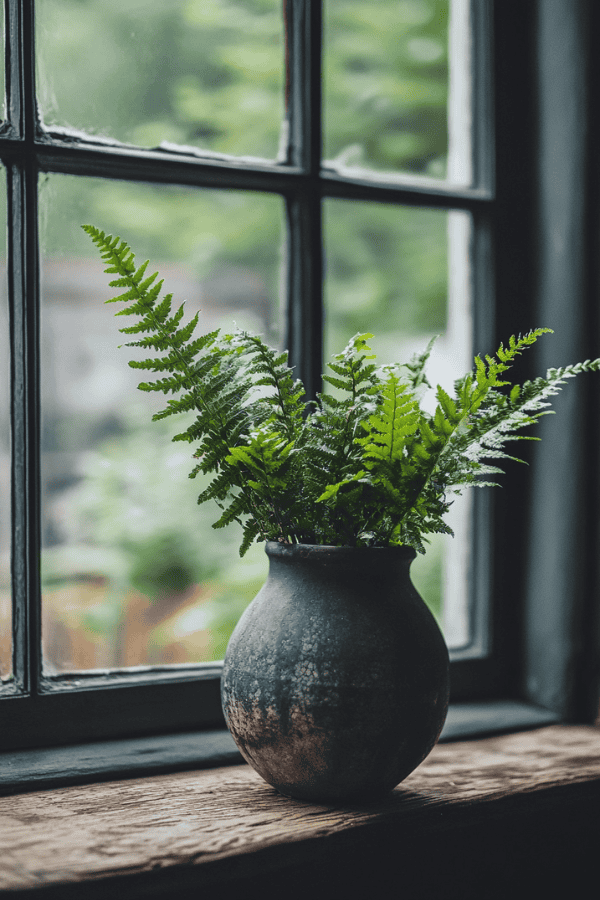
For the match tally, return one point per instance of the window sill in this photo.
(509, 815)
(27, 770)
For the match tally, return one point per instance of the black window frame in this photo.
(508, 658)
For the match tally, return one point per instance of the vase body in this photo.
(336, 679)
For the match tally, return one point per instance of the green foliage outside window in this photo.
(194, 71)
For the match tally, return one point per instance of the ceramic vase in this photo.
(336, 679)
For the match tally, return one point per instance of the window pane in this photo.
(200, 72)
(5, 491)
(396, 76)
(387, 272)
(133, 573)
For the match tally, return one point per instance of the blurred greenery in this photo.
(211, 74)
(386, 84)
(386, 272)
(127, 512)
(134, 521)
(199, 226)
(203, 72)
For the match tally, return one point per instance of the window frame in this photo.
(38, 711)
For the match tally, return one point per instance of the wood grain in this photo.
(194, 819)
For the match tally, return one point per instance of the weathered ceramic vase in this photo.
(335, 682)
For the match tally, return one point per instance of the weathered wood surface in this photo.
(190, 819)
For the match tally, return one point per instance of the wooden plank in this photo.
(192, 820)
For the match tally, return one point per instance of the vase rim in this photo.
(278, 548)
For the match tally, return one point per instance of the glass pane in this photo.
(392, 100)
(133, 574)
(5, 491)
(199, 72)
(402, 274)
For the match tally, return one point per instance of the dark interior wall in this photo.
(561, 590)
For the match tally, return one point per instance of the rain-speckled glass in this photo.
(201, 73)
(132, 571)
(397, 87)
(403, 275)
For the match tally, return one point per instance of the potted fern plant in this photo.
(335, 681)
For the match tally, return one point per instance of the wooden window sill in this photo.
(502, 816)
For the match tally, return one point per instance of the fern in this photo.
(363, 465)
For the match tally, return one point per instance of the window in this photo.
(270, 163)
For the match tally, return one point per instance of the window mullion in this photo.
(23, 289)
(304, 337)
(22, 285)
(304, 255)
(303, 83)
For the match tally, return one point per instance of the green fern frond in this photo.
(396, 420)
(363, 465)
(417, 366)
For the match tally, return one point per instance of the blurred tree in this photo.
(386, 272)
(386, 84)
(203, 72)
